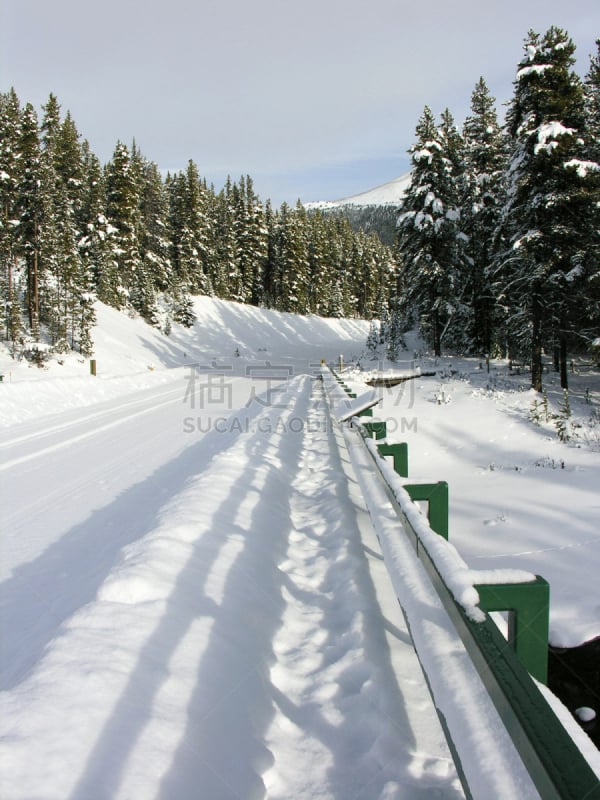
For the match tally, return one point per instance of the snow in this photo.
(391, 374)
(454, 571)
(535, 69)
(519, 497)
(193, 593)
(185, 608)
(550, 131)
(391, 193)
(423, 154)
(582, 167)
(482, 743)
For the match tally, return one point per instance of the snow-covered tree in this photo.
(591, 89)
(590, 308)
(373, 339)
(292, 256)
(430, 241)
(122, 211)
(10, 125)
(485, 161)
(72, 231)
(30, 209)
(547, 221)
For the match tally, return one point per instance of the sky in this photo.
(315, 99)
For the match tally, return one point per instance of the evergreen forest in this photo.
(495, 249)
(73, 231)
(499, 230)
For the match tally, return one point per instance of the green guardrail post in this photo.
(379, 429)
(436, 495)
(528, 605)
(352, 395)
(366, 412)
(399, 452)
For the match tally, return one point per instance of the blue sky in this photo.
(315, 99)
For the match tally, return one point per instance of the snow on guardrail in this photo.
(458, 577)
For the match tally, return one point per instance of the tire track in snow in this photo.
(96, 415)
(80, 437)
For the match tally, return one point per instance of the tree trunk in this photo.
(536, 348)
(487, 330)
(564, 375)
(35, 324)
(33, 302)
(437, 337)
(9, 296)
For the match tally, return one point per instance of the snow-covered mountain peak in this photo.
(390, 193)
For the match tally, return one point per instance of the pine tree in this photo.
(563, 419)
(69, 165)
(10, 133)
(343, 299)
(395, 339)
(546, 222)
(318, 268)
(176, 193)
(485, 159)
(270, 284)
(227, 278)
(195, 239)
(253, 242)
(122, 210)
(373, 340)
(591, 88)
(68, 309)
(154, 243)
(75, 232)
(52, 289)
(96, 241)
(589, 320)
(430, 241)
(30, 206)
(292, 259)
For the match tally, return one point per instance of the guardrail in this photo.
(554, 762)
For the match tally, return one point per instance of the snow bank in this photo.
(131, 355)
(452, 568)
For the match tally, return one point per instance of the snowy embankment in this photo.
(520, 498)
(131, 355)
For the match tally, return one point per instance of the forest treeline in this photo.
(499, 230)
(496, 248)
(73, 231)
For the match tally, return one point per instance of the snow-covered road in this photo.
(193, 598)
(192, 613)
(76, 488)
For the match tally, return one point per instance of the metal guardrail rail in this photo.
(556, 765)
